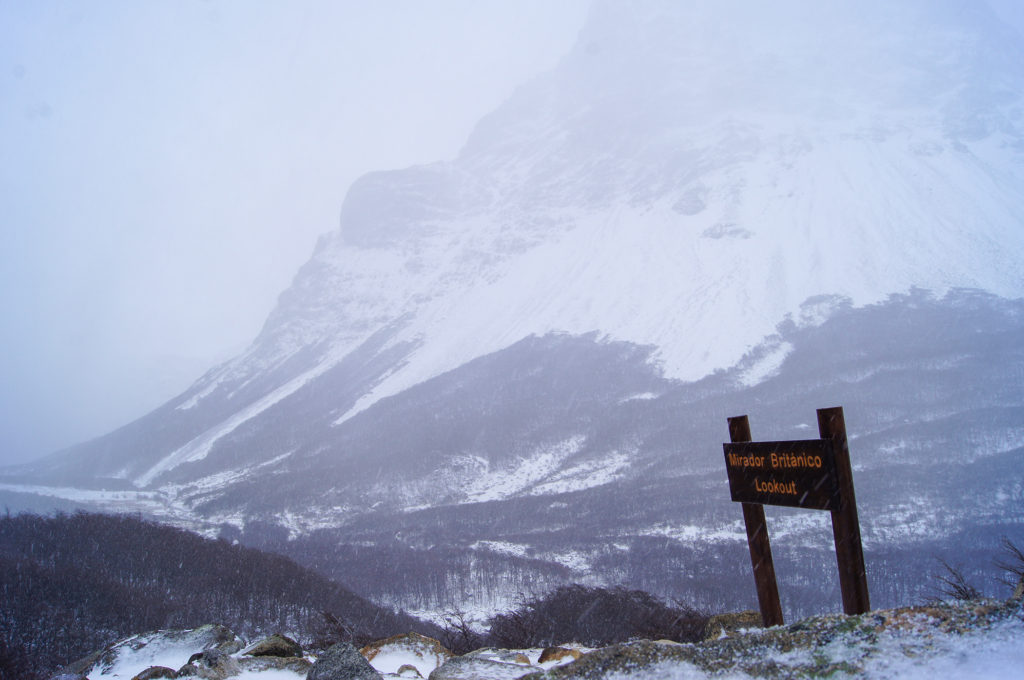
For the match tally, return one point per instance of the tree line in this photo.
(73, 584)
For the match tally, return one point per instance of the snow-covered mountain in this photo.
(696, 197)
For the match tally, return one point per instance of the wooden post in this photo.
(845, 524)
(757, 541)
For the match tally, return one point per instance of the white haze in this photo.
(165, 168)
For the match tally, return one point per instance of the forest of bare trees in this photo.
(72, 584)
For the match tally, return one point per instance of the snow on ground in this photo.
(641, 396)
(271, 674)
(766, 365)
(96, 496)
(492, 485)
(776, 228)
(502, 547)
(200, 447)
(692, 533)
(133, 655)
(422, 653)
(995, 653)
(584, 476)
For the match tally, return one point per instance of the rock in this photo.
(1018, 592)
(728, 624)
(503, 655)
(156, 672)
(387, 656)
(408, 671)
(275, 645)
(68, 676)
(211, 664)
(558, 654)
(476, 668)
(258, 664)
(617, 659)
(81, 667)
(342, 662)
(141, 651)
(821, 646)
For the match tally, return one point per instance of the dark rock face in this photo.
(275, 645)
(342, 662)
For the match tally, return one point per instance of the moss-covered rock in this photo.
(724, 625)
(817, 647)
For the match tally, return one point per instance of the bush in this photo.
(1011, 562)
(458, 634)
(72, 584)
(953, 585)
(594, 617)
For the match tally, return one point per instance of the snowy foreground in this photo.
(961, 640)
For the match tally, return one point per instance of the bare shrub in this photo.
(1011, 562)
(458, 633)
(953, 585)
(595, 617)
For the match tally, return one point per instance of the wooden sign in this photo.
(813, 474)
(800, 474)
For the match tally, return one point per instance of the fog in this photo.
(165, 168)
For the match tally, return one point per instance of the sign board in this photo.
(800, 474)
(814, 474)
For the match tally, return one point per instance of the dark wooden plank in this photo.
(845, 523)
(799, 474)
(758, 543)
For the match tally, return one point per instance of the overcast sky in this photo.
(166, 167)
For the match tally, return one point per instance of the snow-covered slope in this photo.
(691, 176)
(686, 178)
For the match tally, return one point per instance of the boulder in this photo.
(724, 625)
(503, 655)
(408, 671)
(554, 654)
(275, 645)
(258, 664)
(342, 662)
(421, 652)
(1018, 592)
(139, 652)
(157, 672)
(210, 664)
(477, 668)
(81, 667)
(831, 645)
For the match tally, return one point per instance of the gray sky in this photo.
(166, 167)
